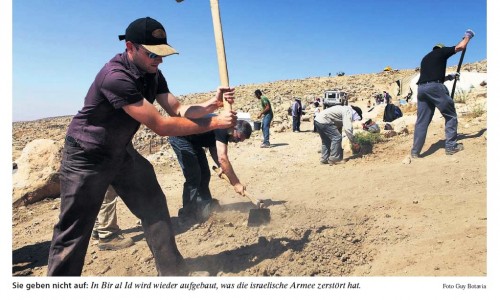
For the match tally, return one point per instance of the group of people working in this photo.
(99, 160)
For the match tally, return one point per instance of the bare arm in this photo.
(267, 108)
(227, 168)
(462, 44)
(145, 113)
(174, 108)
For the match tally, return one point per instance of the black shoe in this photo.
(457, 148)
(187, 212)
(186, 218)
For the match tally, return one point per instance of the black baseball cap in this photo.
(150, 34)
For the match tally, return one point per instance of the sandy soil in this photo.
(377, 215)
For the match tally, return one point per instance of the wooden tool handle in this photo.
(219, 44)
(257, 203)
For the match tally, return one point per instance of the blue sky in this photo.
(59, 46)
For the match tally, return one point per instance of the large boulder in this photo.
(35, 173)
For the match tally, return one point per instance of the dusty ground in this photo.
(374, 216)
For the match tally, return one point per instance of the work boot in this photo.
(95, 235)
(187, 215)
(457, 148)
(115, 242)
(186, 212)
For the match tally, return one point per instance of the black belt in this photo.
(432, 81)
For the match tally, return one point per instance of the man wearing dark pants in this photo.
(296, 114)
(98, 151)
(190, 151)
(433, 93)
(330, 123)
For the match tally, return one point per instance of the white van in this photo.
(334, 97)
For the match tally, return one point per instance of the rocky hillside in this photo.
(360, 88)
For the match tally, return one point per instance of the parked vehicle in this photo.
(334, 97)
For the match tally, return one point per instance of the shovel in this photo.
(257, 216)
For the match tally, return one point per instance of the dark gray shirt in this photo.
(102, 124)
